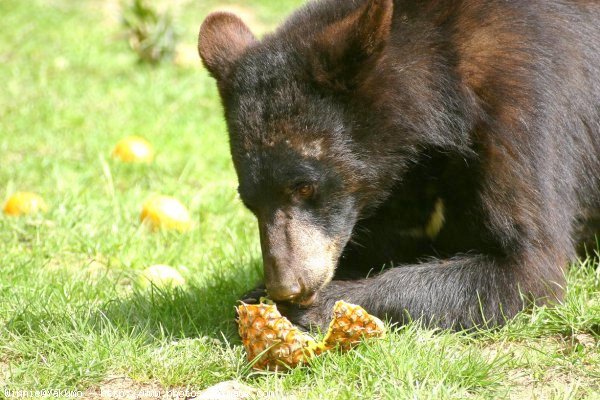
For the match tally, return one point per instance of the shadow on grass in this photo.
(154, 313)
(177, 313)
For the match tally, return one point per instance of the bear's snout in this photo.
(298, 258)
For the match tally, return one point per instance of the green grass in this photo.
(70, 314)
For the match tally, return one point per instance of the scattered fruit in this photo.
(164, 212)
(272, 342)
(162, 276)
(22, 203)
(133, 149)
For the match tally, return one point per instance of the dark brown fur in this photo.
(388, 109)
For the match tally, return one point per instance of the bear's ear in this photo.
(352, 44)
(222, 40)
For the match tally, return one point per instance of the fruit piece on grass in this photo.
(22, 203)
(270, 338)
(350, 325)
(277, 344)
(163, 212)
(161, 276)
(133, 149)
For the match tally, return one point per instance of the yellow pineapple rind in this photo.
(272, 342)
(351, 324)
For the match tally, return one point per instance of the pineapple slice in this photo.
(351, 323)
(267, 334)
(275, 343)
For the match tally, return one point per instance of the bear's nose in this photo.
(284, 292)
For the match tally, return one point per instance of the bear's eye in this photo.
(305, 190)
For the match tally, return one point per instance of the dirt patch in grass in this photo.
(533, 371)
(556, 383)
(4, 374)
(123, 388)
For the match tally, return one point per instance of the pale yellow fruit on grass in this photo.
(22, 203)
(164, 212)
(133, 149)
(162, 276)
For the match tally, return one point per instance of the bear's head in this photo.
(301, 133)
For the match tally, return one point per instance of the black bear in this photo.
(430, 159)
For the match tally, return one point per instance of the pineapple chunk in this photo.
(351, 323)
(271, 337)
(273, 342)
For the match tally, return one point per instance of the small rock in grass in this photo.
(230, 390)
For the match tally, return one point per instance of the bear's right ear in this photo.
(352, 45)
(223, 39)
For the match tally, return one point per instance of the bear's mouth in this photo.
(306, 300)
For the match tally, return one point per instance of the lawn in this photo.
(71, 314)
